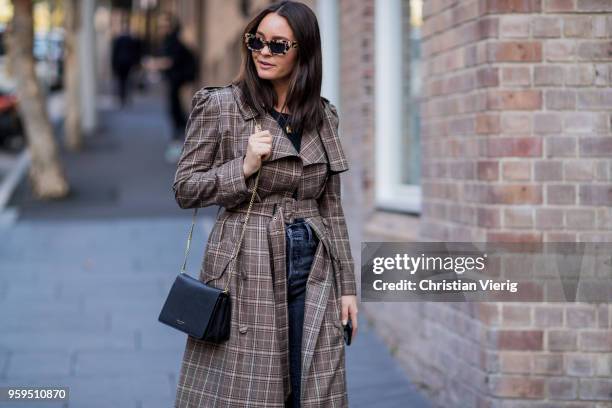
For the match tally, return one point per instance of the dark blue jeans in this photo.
(301, 246)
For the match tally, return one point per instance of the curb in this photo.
(10, 182)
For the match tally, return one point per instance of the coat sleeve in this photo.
(330, 207)
(201, 179)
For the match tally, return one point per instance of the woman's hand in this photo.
(349, 309)
(258, 149)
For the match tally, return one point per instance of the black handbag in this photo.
(193, 307)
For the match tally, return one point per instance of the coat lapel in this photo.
(310, 151)
(281, 145)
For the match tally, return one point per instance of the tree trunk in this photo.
(72, 123)
(46, 173)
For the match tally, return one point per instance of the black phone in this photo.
(348, 332)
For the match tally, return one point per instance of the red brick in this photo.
(599, 26)
(518, 387)
(511, 147)
(487, 123)
(556, 236)
(549, 364)
(487, 170)
(603, 317)
(513, 194)
(596, 340)
(599, 389)
(516, 171)
(579, 170)
(595, 194)
(577, 26)
(513, 122)
(514, 100)
(585, 121)
(514, 26)
(580, 219)
(560, 146)
(548, 170)
(579, 75)
(595, 237)
(488, 27)
(549, 218)
(559, 50)
(460, 83)
(547, 123)
(485, 77)
(558, 5)
(548, 316)
(563, 194)
(464, 11)
(545, 27)
(488, 313)
(601, 71)
(562, 340)
(595, 51)
(560, 99)
(579, 365)
(514, 51)
(518, 217)
(496, 236)
(516, 315)
(512, 6)
(462, 170)
(595, 99)
(561, 388)
(515, 362)
(581, 317)
(593, 5)
(604, 218)
(488, 217)
(548, 75)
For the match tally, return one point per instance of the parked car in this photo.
(11, 129)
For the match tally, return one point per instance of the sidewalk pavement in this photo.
(82, 280)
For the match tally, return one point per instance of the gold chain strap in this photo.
(246, 219)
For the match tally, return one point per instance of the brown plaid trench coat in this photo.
(251, 369)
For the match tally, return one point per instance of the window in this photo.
(398, 83)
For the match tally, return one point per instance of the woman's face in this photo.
(276, 67)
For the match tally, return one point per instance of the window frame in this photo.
(390, 192)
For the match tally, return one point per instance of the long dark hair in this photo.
(304, 91)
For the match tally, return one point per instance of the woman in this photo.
(179, 67)
(292, 283)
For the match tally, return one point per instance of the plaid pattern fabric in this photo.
(251, 369)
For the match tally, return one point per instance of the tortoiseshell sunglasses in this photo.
(277, 47)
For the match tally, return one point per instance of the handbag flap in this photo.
(190, 305)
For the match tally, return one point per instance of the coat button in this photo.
(243, 329)
(325, 222)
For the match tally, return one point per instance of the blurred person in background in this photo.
(126, 55)
(179, 65)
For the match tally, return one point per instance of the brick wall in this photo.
(516, 133)
(516, 146)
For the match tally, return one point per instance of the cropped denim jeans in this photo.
(301, 246)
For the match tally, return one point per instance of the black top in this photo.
(282, 119)
(295, 137)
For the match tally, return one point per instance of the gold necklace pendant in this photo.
(288, 129)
